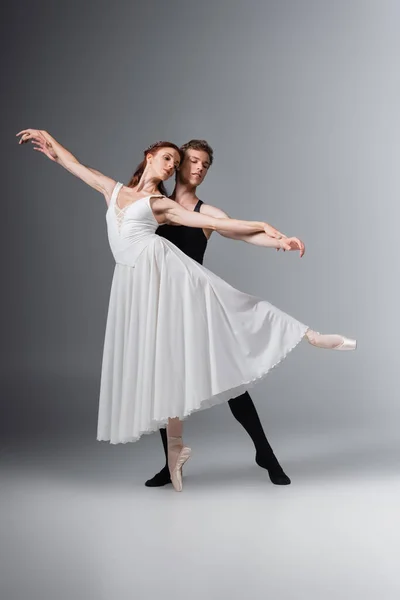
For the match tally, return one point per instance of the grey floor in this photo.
(77, 522)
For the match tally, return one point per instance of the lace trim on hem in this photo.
(207, 402)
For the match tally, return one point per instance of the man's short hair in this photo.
(199, 145)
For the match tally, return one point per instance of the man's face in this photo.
(194, 167)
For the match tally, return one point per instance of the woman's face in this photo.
(164, 162)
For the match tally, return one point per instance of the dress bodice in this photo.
(131, 228)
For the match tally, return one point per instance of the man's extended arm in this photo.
(257, 238)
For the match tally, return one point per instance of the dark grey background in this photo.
(300, 101)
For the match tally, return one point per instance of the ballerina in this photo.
(153, 374)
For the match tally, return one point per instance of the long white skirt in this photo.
(180, 339)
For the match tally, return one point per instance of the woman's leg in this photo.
(178, 454)
(174, 428)
(330, 341)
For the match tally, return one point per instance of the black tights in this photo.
(245, 413)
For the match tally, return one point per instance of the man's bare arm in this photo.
(251, 238)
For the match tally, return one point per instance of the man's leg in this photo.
(163, 477)
(245, 412)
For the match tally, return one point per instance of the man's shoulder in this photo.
(213, 211)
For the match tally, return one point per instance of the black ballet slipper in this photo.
(160, 479)
(276, 474)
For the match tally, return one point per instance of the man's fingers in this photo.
(298, 242)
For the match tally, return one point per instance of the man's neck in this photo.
(184, 194)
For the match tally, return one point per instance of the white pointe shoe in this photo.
(176, 472)
(346, 344)
(330, 341)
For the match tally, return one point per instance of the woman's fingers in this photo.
(274, 233)
(27, 134)
(271, 231)
(24, 138)
(33, 136)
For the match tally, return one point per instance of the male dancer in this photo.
(198, 157)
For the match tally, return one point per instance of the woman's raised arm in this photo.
(45, 143)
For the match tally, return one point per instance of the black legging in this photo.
(245, 412)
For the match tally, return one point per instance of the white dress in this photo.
(178, 337)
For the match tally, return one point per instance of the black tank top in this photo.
(190, 240)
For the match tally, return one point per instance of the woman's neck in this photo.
(148, 184)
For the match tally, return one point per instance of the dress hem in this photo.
(209, 402)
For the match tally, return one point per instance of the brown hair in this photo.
(153, 149)
(199, 145)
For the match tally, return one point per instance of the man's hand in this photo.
(292, 244)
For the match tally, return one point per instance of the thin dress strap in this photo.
(198, 206)
(115, 192)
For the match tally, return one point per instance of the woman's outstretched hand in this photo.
(45, 143)
(272, 232)
(292, 244)
(41, 141)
